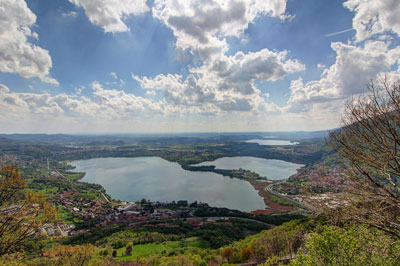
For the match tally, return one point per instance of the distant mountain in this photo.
(178, 138)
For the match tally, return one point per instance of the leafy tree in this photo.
(69, 256)
(227, 253)
(357, 245)
(272, 261)
(128, 250)
(22, 212)
(143, 201)
(245, 253)
(370, 142)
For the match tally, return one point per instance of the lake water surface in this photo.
(272, 169)
(272, 142)
(131, 179)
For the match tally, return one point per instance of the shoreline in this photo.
(271, 206)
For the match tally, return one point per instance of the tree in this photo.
(246, 253)
(370, 142)
(227, 253)
(21, 212)
(357, 245)
(69, 256)
(128, 250)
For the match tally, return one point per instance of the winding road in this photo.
(270, 190)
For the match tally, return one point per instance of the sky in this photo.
(137, 66)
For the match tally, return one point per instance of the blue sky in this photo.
(119, 66)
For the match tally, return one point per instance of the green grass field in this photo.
(74, 176)
(153, 248)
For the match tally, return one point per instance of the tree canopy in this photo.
(22, 212)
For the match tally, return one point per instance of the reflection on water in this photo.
(272, 169)
(272, 142)
(131, 179)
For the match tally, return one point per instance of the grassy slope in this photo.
(153, 248)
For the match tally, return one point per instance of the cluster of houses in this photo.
(81, 207)
(56, 230)
(320, 184)
(318, 179)
(99, 213)
(12, 159)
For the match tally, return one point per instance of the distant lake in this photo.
(272, 142)
(272, 169)
(131, 179)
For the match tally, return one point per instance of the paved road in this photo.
(101, 193)
(104, 196)
(270, 190)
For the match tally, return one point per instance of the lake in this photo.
(271, 142)
(272, 169)
(131, 179)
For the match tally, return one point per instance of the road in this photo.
(104, 196)
(101, 193)
(270, 190)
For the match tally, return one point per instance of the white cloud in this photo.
(122, 83)
(217, 82)
(17, 54)
(200, 26)
(79, 89)
(111, 110)
(226, 84)
(71, 14)
(151, 93)
(113, 75)
(373, 55)
(105, 104)
(374, 17)
(110, 14)
(355, 66)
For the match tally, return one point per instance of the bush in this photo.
(356, 246)
(128, 250)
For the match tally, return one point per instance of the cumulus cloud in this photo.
(217, 81)
(353, 69)
(17, 54)
(201, 26)
(110, 14)
(372, 55)
(104, 104)
(228, 83)
(374, 17)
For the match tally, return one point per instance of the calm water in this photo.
(272, 142)
(131, 179)
(272, 169)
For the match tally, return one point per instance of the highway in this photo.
(270, 190)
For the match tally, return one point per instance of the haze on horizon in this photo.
(137, 66)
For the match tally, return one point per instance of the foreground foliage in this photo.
(356, 245)
(22, 211)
